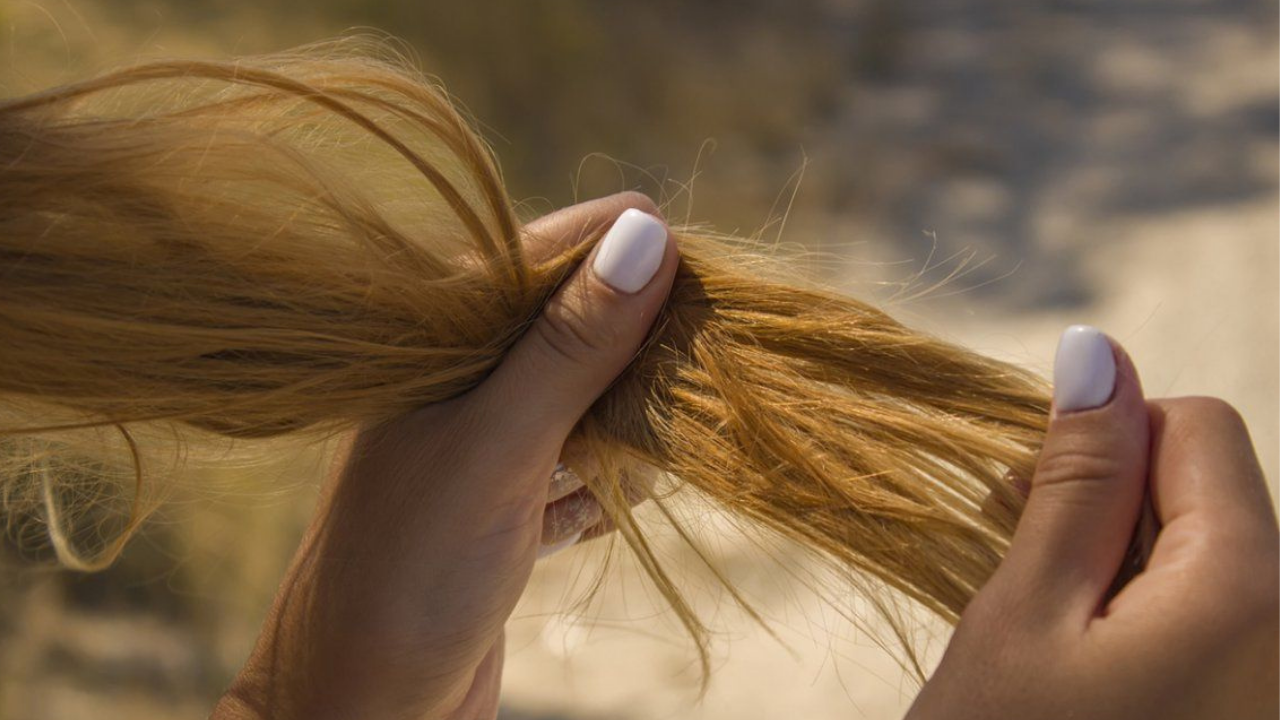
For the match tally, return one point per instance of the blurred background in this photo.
(988, 171)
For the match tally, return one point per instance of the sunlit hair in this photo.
(305, 243)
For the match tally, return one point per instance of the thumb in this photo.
(587, 333)
(1086, 494)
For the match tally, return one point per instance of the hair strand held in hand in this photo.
(303, 243)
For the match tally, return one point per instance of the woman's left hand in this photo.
(395, 603)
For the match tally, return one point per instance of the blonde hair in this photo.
(309, 242)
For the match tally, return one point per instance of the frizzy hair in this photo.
(306, 243)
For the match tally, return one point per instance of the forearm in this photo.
(328, 650)
(360, 626)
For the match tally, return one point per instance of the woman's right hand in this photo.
(1195, 635)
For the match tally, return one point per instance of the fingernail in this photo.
(631, 251)
(563, 482)
(552, 549)
(1084, 371)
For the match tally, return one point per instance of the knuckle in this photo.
(1076, 465)
(567, 333)
(1192, 421)
(1208, 410)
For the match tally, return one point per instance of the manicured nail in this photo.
(1084, 372)
(631, 251)
(553, 548)
(563, 482)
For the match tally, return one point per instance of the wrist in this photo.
(329, 648)
(260, 693)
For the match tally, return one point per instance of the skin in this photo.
(1195, 635)
(427, 534)
(395, 603)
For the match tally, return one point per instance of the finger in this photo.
(586, 335)
(634, 484)
(555, 232)
(1204, 470)
(1211, 580)
(564, 520)
(580, 517)
(1004, 504)
(1087, 490)
(564, 481)
(575, 465)
(634, 493)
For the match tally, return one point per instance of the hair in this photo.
(306, 243)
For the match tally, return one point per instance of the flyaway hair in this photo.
(305, 243)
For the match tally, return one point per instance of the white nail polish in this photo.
(545, 550)
(631, 251)
(1084, 372)
(563, 482)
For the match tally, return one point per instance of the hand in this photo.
(1192, 636)
(395, 603)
